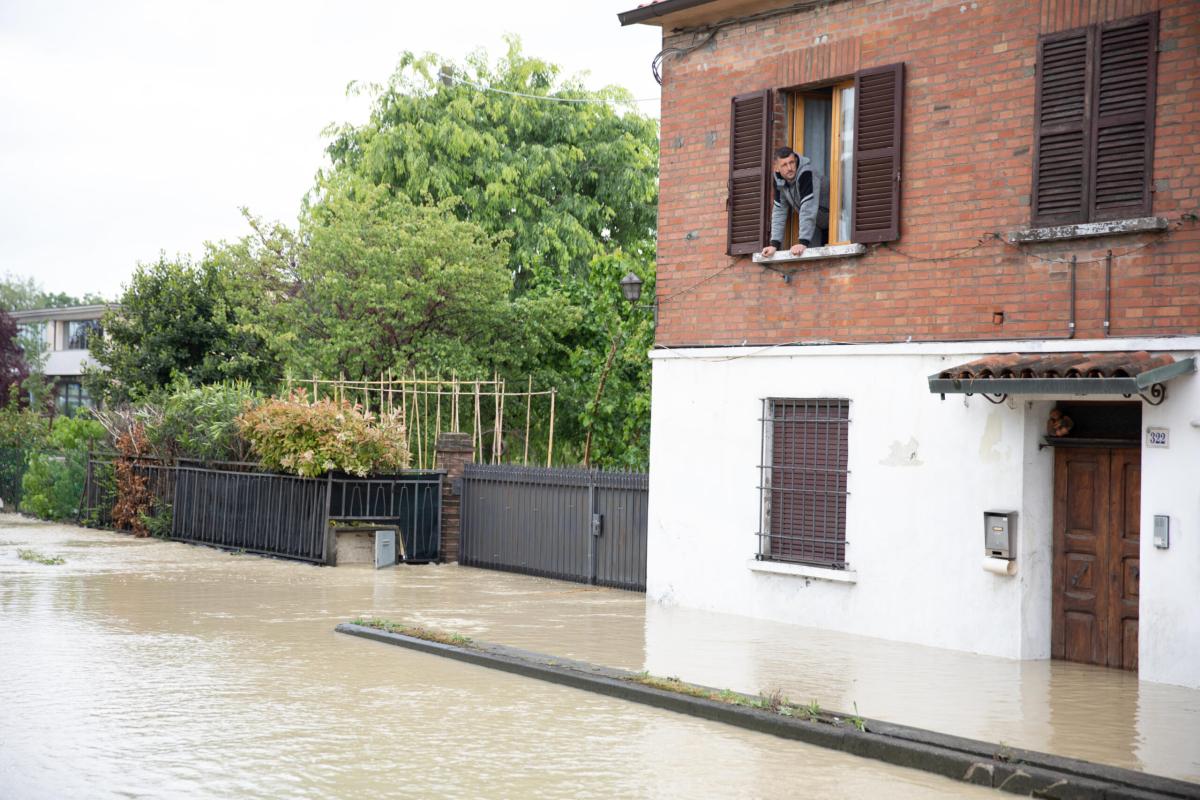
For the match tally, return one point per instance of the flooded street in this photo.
(140, 668)
(147, 669)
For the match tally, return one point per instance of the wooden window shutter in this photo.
(1062, 135)
(878, 129)
(749, 169)
(1123, 123)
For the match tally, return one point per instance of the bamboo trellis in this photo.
(429, 406)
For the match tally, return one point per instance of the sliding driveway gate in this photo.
(574, 524)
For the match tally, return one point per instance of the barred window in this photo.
(803, 481)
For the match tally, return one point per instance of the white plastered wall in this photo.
(1169, 602)
(922, 472)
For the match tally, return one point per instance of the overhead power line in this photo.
(546, 97)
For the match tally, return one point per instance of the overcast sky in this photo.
(129, 128)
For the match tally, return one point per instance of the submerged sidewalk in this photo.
(1075, 710)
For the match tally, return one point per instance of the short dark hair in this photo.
(785, 152)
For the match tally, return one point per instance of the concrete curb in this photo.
(1023, 772)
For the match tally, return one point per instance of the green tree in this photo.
(373, 282)
(53, 482)
(22, 294)
(178, 319)
(566, 175)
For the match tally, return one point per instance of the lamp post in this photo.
(631, 290)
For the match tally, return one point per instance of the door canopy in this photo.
(1124, 373)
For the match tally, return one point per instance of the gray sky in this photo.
(129, 128)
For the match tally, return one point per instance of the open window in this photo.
(851, 131)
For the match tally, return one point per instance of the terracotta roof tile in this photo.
(1058, 365)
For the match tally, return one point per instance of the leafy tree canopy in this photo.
(177, 319)
(567, 176)
(565, 181)
(23, 294)
(373, 282)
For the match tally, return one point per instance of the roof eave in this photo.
(659, 9)
(61, 312)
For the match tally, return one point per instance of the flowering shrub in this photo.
(310, 439)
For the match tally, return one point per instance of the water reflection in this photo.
(1069, 709)
(146, 669)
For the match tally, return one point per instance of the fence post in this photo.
(454, 452)
(592, 533)
(327, 529)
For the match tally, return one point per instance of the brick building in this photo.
(1009, 194)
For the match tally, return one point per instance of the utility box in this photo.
(1000, 534)
(367, 544)
(385, 548)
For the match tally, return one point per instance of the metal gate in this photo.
(574, 524)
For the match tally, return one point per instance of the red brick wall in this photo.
(454, 452)
(967, 172)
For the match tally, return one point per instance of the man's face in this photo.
(786, 167)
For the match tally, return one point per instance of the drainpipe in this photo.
(1071, 324)
(1107, 291)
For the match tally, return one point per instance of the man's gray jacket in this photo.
(803, 195)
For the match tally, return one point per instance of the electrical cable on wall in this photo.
(986, 238)
(709, 32)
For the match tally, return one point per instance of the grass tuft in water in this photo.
(415, 631)
(773, 701)
(35, 556)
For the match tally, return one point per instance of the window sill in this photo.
(814, 254)
(803, 571)
(1087, 230)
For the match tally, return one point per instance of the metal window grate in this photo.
(803, 478)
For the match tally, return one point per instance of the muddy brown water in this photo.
(147, 669)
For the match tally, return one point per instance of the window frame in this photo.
(796, 520)
(85, 328)
(70, 397)
(795, 126)
(878, 139)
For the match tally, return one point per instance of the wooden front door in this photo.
(1097, 506)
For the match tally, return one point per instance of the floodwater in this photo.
(149, 669)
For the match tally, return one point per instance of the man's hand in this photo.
(797, 249)
(768, 251)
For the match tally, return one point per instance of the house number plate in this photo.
(1158, 437)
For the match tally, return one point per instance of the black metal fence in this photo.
(281, 515)
(412, 501)
(575, 524)
(12, 470)
(234, 506)
(100, 491)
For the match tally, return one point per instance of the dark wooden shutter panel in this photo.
(808, 480)
(1061, 160)
(1125, 70)
(878, 125)
(749, 168)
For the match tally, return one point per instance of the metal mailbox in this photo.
(1000, 534)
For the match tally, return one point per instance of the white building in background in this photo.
(66, 335)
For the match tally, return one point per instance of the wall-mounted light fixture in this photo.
(631, 288)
